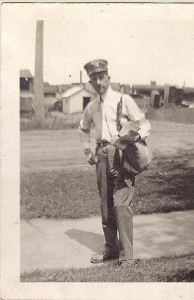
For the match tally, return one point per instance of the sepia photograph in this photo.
(97, 150)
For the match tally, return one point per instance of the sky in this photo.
(141, 42)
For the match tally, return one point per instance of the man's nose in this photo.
(98, 81)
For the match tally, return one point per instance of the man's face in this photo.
(100, 82)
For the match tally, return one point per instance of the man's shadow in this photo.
(93, 241)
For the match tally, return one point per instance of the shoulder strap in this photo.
(119, 113)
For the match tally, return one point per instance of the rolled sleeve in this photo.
(145, 128)
(84, 130)
(137, 116)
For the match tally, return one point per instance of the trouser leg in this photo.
(124, 217)
(123, 195)
(105, 187)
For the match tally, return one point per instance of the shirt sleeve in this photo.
(136, 115)
(84, 129)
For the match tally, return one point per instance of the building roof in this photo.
(50, 89)
(73, 90)
(188, 90)
(25, 74)
(145, 87)
(115, 86)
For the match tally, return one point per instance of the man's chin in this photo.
(101, 92)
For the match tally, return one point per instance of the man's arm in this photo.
(84, 132)
(136, 115)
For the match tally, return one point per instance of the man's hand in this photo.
(90, 156)
(134, 137)
(114, 173)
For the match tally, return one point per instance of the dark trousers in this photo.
(116, 196)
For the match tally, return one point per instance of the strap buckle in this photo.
(102, 143)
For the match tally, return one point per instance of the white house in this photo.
(75, 99)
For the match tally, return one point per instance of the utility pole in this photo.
(38, 80)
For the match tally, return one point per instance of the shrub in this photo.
(53, 120)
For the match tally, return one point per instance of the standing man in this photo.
(115, 181)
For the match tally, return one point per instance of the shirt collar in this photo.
(105, 96)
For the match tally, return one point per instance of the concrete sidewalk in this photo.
(49, 244)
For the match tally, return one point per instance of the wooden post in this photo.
(38, 80)
(80, 77)
(122, 89)
(166, 93)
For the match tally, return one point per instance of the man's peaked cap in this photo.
(96, 66)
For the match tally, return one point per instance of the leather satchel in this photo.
(136, 156)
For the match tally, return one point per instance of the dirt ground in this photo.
(44, 150)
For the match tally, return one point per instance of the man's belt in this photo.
(102, 143)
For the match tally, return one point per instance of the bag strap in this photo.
(119, 113)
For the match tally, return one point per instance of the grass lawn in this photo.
(165, 269)
(166, 186)
(52, 121)
(171, 113)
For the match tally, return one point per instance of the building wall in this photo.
(66, 105)
(26, 104)
(49, 102)
(115, 86)
(76, 101)
(31, 85)
(175, 95)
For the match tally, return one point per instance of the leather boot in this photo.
(100, 258)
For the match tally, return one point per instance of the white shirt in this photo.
(103, 115)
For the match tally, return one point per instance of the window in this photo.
(85, 101)
(49, 94)
(24, 84)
